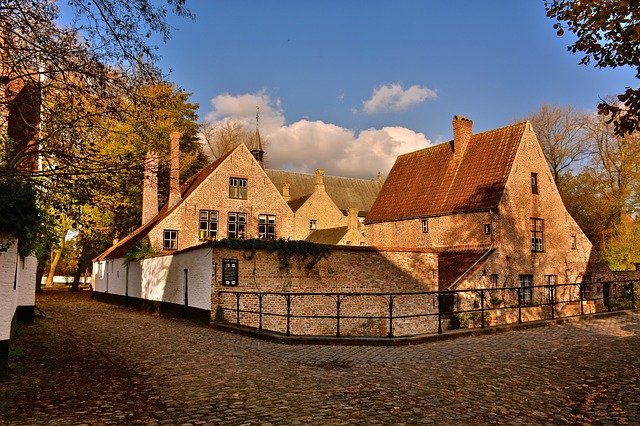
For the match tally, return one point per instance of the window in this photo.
(537, 239)
(237, 225)
(266, 227)
(170, 239)
(425, 226)
(526, 282)
(574, 242)
(487, 229)
(550, 281)
(313, 225)
(534, 183)
(238, 188)
(208, 225)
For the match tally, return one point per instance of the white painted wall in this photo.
(8, 296)
(27, 281)
(160, 278)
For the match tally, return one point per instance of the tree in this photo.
(608, 33)
(561, 133)
(65, 86)
(223, 136)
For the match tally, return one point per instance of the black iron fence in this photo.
(414, 313)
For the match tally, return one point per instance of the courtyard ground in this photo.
(93, 363)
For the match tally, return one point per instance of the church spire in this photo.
(256, 145)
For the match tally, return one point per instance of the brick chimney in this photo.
(461, 135)
(353, 223)
(320, 180)
(150, 188)
(285, 191)
(174, 172)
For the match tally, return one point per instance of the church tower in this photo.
(256, 145)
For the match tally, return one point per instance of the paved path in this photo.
(92, 363)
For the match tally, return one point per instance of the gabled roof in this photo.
(327, 236)
(121, 248)
(345, 192)
(431, 182)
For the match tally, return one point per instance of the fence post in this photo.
(260, 311)
(439, 313)
(288, 314)
(390, 315)
(482, 308)
(581, 304)
(520, 290)
(237, 308)
(552, 293)
(337, 315)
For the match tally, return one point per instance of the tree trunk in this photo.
(75, 286)
(56, 254)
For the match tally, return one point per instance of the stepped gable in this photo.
(121, 248)
(345, 192)
(434, 182)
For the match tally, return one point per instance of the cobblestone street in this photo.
(93, 363)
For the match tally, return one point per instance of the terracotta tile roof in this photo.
(121, 248)
(345, 192)
(430, 182)
(327, 236)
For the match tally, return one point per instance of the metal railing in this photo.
(432, 310)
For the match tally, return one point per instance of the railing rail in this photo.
(454, 308)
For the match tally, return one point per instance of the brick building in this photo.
(487, 203)
(230, 198)
(328, 209)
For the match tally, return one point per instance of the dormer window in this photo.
(534, 183)
(238, 188)
(313, 224)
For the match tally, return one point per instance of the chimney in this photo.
(320, 180)
(150, 188)
(353, 223)
(461, 135)
(285, 191)
(174, 172)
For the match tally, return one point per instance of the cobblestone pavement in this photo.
(93, 363)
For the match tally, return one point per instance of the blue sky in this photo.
(331, 76)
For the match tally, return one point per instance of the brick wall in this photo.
(346, 269)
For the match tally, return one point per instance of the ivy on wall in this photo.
(302, 251)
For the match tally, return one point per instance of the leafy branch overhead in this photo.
(608, 34)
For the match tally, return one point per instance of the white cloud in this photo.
(307, 145)
(243, 108)
(393, 97)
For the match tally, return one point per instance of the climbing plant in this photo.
(303, 251)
